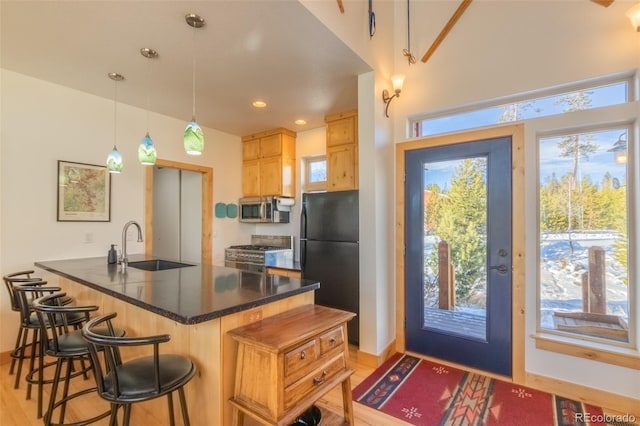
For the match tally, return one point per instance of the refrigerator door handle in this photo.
(303, 222)
(303, 254)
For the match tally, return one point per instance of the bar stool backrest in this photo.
(17, 278)
(110, 345)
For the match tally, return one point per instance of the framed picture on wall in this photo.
(84, 192)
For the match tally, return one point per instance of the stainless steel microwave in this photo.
(265, 209)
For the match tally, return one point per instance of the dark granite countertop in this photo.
(188, 295)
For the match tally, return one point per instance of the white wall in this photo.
(500, 48)
(497, 48)
(42, 123)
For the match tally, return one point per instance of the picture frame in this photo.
(84, 192)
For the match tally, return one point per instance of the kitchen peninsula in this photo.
(196, 305)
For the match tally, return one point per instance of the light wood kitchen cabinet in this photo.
(268, 163)
(285, 272)
(342, 151)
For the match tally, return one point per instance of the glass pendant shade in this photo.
(193, 138)
(147, 151)
(114, 161)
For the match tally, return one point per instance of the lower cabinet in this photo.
(285, 272)
(287, 362)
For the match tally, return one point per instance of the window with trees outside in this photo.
(585, 199)
(584, 216)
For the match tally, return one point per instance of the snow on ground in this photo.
(561, 271)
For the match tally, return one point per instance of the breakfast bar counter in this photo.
(196, 305)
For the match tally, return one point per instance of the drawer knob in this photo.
(332, 341)
(321, 379)
(303, 355)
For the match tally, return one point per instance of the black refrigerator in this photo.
(329, 251)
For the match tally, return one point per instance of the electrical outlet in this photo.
(88, 237)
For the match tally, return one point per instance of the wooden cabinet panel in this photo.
(285, 272)
(271, 176)
(270, 146)
(342, 131)
(342, 151)
(275, 152)
(341, 168)
(251, 149)
(251, 178)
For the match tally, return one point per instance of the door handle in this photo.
(500, 268)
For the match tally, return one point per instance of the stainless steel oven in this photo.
(264, 251)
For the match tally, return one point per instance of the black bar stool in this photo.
(61, 338)
(19, 352)
(139, 379)
(29, 321)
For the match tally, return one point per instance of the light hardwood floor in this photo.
(16, 410)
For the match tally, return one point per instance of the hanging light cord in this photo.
(407, 52)
(115, 111)
(148, 95)
(193, 71)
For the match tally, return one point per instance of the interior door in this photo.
(458, 253)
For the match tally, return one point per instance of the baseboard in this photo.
(374, 361)
(619, 403)
(5, 357)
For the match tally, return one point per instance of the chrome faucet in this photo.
(123, 261)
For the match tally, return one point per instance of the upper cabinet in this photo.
(342, 151)
(268, 163)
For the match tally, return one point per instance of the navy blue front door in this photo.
(458, 253)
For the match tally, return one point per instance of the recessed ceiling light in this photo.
(259, 104)
(300, 122)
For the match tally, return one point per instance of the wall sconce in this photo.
(397, 80)
(634, 16)
(620, 149)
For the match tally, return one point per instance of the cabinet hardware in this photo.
(321, 379)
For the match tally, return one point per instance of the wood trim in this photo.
(619, 403)
(374, 361)
(341, 115)
(445, 30)
(518, 296)
(5, 357)
(623, 358)
(207, 206)
(269, 132)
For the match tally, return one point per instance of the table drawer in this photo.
(300, 357)
(331, 340)
(314, 380)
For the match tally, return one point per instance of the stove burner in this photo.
(257, 247)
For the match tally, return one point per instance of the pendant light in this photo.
(114, 159)
(146, 150)
(193, 136)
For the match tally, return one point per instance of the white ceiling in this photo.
(272, 50)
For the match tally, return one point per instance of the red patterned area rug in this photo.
(423, 393)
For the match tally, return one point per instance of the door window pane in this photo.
(583, 258)
(455, 246)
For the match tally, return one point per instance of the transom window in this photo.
(578, 96)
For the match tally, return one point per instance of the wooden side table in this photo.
(287, 362)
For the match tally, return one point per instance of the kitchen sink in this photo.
(157, 264)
